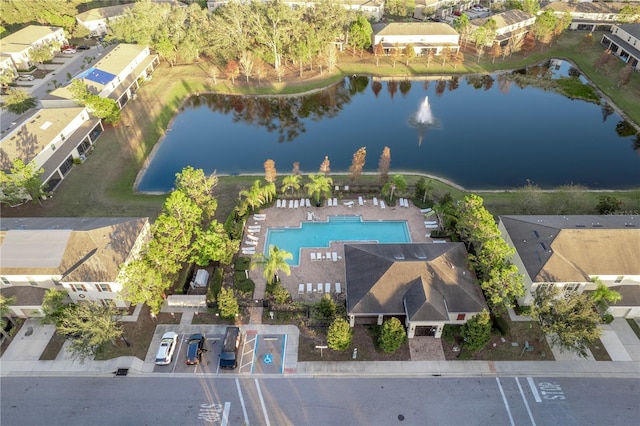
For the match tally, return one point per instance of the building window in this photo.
(619, 279)
(32, 281)
(571, 288)
(461, 317)
(77, 287)
(103, 287)
(5, 281)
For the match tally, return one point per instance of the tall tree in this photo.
(232, 71)
(227, 303)
(18, 101)
(246, 64)
(272, 263)
(392, 335)
(603, 296)
(21, 184)
(91, 326)
(319, 186)
(570, 322)
(503, 285)
(384, 164)
(199, 188)
(41, 53)
(254, 197)
(475, 224)
(53, 305)
(214, 245)
(409, 53)
(325, 166)
(143, 282)
(358, 162)
(360, 34)
(270, 173)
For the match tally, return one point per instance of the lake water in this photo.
(478, 132)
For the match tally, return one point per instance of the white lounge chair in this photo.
(346, 187)
(431, 226)
(295, 204)
(338, 288)
(313, 257)
(253, 238)
(360, 201)
(329, 202)
(253, 231)
(327, 256)
(300, 288)
(307, 202)
(318, 256)
(251, 243)
(335, 202)
(278, 203)
(301, 202)
(439, 241)
(375, 201)
(427, 235)
(430, 222)
(425, 211)
(382, 206)
(334, 256)
(337, 188)
(290, 204)
(319, 287)
(348, 203)
(327, 288)
(309, 288)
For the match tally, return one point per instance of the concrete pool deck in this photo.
(325, 271)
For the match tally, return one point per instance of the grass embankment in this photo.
(103, 185)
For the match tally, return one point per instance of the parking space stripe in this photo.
(534, 390)
(506, 404)
(225, 414)
(264, 408)
(244, 408)
(526, 403)
(284, 352)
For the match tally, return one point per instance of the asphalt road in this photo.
(165, 400)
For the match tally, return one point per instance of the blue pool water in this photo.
(338, 228)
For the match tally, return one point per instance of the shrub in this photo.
(501, 325)
(280, 294)
(477, 331)
(234, 226)
(215, 284)
(607, 318)
(246, 285)
(243, 263)
(450, 332)
(339, 335)
(227, 303)
(392, 335)
(325, 309)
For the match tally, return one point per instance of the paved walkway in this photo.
(621, 342)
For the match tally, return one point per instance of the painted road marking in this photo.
(211, 412)
(225, 413)
(244, 408)
(551, 391)
(267, 359)
(526, 403)
(251, 343)
(506, 404)
(534, 389)
(264, 408)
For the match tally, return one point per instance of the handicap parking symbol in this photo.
(268, 359)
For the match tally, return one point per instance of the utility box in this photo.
(201, 279)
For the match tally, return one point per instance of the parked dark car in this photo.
(84, 47)
(195, 347)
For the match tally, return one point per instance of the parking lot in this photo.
(258, 353)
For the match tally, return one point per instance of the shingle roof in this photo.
(103, 13)
(380, 277)
(417, 29)
(586, 7)
(504, 19)
(81, 249)
(573, 248)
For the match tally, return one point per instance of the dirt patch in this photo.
(53, 348)
(508, 348)
(212, 318)
(363, 340)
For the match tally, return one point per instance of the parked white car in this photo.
(168, 343)
(26, 77)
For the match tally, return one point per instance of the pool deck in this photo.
(326, 271)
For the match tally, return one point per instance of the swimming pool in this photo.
(337, 228)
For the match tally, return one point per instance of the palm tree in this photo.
(254, 196)
(268, 192)
(275, 261)
(290, 182)
(320, 185)
(397, 184)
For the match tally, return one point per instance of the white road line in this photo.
(244, 408)
(506, 404)
(526, 403)
(534, 390)
(284, 353)
(264, 408)
(225, 414)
